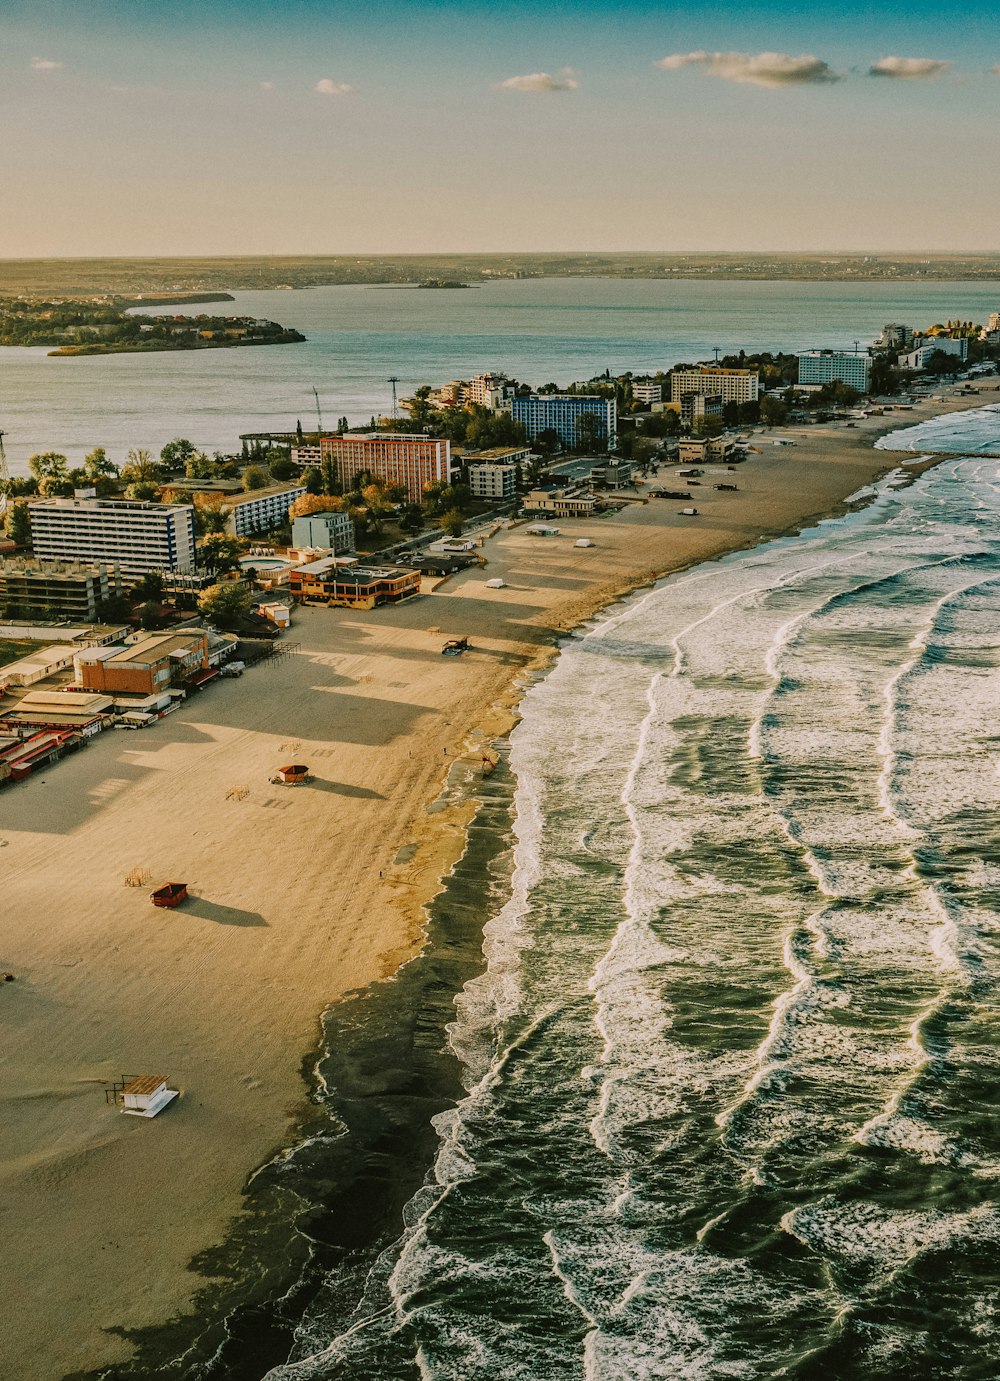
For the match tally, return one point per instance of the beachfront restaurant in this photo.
(329, 581)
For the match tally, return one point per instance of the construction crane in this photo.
(319, 414)
(394, 380)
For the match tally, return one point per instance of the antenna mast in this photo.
(394, 380)
(319, 414)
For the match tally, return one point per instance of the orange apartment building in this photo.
(412, 462)
(144, 667)
(328, 581)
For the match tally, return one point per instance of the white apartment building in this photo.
(926, 346)
(647, 390)
(493, 480)
(486, 390)
(818, 367)
(733, 385)
(133, 535)
(259, 510)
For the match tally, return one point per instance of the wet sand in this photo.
(299, 895)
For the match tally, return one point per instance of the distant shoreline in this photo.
(289, 337)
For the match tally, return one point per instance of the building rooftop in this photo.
(111, 505)
(492, 456)
(145, 649)
(269, 491)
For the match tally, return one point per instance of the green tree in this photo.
(141, 468)
(97, 466)
(50, 470)
(210, 518)
(176, 454)
(255, 477)
(377, 503)
(226, 606)
(18, 524)
(412, 520)
(220, 553)
(423, 413)
(452, 522)
(145, 490)
(151, 587)
(199, 466)
(590, 434)
(312, 479)
(773, 412)
(150, 615)
(282, 467)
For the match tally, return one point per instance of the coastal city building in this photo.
(55, 590)
(493, 473)
(699, 408)
(819, 367)
(926, 346)
(410, 462)
(133, 535)
(562, 413)
(345, 584)
(732, 385)
(487, 390)
(613, 474)
(693, 450)
(893, 337)
(325, 531)
(560, 502)
(493, 480)
(306, 455)
(647, 390)
(259, 510)
(146, 666)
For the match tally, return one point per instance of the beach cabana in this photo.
(145, 1095)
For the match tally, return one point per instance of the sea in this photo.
(539, 331)
(696, 1075)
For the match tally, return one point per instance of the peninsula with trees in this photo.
(105, 325)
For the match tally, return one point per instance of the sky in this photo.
(172, 127)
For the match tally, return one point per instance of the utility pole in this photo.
(716, 349)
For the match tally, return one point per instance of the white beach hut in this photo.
(146, 1094)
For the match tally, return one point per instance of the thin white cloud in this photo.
(45, 65)
(565, 80)
(326, 86)
(267, 86)
(773, 70)
(908, 68)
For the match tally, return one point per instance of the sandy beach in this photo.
(298, 895)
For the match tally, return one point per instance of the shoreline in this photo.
(522, 628)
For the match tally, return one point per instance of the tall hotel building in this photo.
(561, 413)
(835, 366)
(412, 462)
(732, 385)
(136, 537)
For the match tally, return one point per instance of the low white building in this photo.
(926, 346)
(146, 1094)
